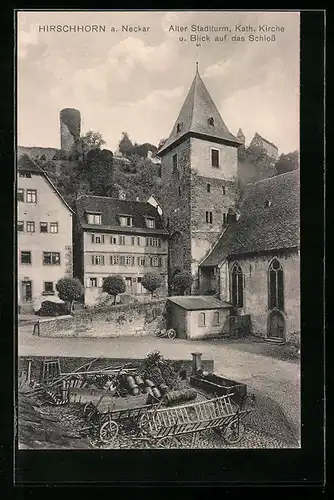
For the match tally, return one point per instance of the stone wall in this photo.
(114, 321)
(61, 326)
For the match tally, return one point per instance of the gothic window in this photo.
(211, 121)
(179, 127)
(208, 188)
(237, 286)
(275, 286)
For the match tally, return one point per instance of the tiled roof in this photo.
(25, 163)
(111, 209)
(193, 118)
(199, 302)
(263, 139)
(269, 219)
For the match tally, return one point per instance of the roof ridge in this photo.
(108, 198)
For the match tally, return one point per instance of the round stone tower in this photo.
(70, 125)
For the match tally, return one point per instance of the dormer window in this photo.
(125, 220)
(179, 127)
(211, 121)
(94, 218)
(150, 223)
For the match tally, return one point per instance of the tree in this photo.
(151, 282)
(92, 140)
(69, 289)
(181, 282)
(114, 285)
(98, 168)
(125, 145)
(287, 163)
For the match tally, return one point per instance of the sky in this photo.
(136, 82)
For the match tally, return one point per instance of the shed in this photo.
(198, 316)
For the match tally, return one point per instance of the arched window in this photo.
(237, 286)
(211, 121)
(275, 286)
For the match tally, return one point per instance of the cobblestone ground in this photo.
(72, 418)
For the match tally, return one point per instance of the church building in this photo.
(241, 246)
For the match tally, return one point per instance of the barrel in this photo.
(130, 382)
(180, 396)
(135, 391)
(148, 390)
(156, 392)
(149, 383)
(139, 381)
(163, 388)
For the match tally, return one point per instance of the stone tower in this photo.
(70, 125)
(199, 169)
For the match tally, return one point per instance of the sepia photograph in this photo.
(158, 230)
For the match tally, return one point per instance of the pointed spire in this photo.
(199, 115)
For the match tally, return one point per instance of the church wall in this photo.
(255, 272)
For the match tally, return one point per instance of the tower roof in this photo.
(199, 116)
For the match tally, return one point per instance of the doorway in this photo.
(276, 325)
(26, 291)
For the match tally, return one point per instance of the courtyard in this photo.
(276, 383)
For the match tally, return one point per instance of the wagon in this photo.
(179, 426)
(106, 418)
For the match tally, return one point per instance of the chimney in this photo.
(197, 362)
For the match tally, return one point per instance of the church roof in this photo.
(194, 118)
(269, 220)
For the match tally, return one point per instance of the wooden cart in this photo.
(167, 427)
(106, 418)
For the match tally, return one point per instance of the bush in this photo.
(49, 308)
(114, 285)
(151, 282)
(181, 282)
(69, 289)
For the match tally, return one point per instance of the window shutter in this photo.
(133, 261)
(93, 259)
(102, 259)
(87, 283)
(99, 282)
(92, 238)
(102, 238)
(160, 261)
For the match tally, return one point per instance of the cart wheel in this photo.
(171, 334)
(233, 433)
(89, 410)
(108, 431)
(168, 442)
